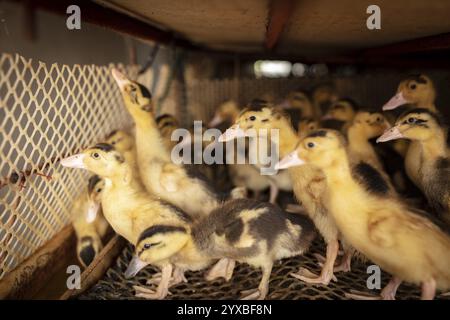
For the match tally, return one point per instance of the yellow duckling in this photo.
(308, 182)
(340, 115)
(162, 177)
(365, 126)
(405, 244)
(88, 222)
(279, 181)
(417, 90)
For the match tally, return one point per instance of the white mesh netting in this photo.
(47, 112)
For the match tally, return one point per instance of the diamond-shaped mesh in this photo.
(47, 112)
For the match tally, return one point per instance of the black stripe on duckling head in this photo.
(350, 101)
(104, 147)
(371, 178)
(332, 124)
(317, 133)
(419, 78)
(87, 253)
(159, 229)
(257, 105)
(145, 92)
(437, 117)
(92, 183)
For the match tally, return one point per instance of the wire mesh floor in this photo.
(282, 286)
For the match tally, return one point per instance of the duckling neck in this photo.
(149, 144)
(434, 146)
(339, 171)
(359, 143)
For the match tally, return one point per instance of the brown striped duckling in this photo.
(433, 171)
(244, 230)
(383, 228)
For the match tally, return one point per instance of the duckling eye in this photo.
(378, 119)
(99, 190)
(252, 118)
(149, 245)
(95, 155)
(411, 120)
(113, 142)
(413, 86)
(310, 144)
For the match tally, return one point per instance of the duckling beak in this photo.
(75, 161)
(136, 265)
(93, 208)
(120, 78)
(395, 102)
(216, 120)
(391, 134)
(291, 160)
(232, 133)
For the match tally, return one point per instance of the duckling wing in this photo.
(381, 227)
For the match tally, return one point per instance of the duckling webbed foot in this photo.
(327, 273)
(177, 277)
(163, 288)
(222, 269)
(388, 292)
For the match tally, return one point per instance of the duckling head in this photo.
(417, 124)
(137, 98)
(87, 249)
(342, 110)
(317, 148)
(415, 89)
(370, 124)
(255, 118)
(306, 126)
(323, 95)
(120, 140)
(95, 188)
(155, 244)
(300, 100)
(102, 159)
(227, 111)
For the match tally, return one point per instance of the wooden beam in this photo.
(279, 14)
(32, 274)
(426, 44)
(97, 14)
(98, 267)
